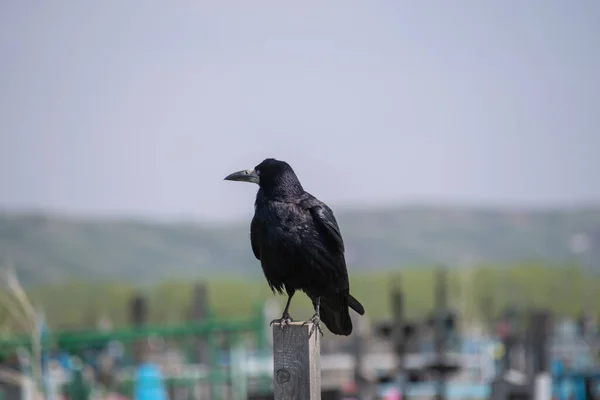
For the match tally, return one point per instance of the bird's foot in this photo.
(285, 320)
(316, 321)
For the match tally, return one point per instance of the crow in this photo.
(298, 242)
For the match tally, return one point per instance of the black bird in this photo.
(298, 242)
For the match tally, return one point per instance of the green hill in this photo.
(52, 248)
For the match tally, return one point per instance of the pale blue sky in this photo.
(141, 108)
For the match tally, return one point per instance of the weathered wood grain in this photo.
(297, 362)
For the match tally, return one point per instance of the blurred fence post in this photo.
(138, 318)
(398, 333)
(296, 362)
(441, 281)
(199, 313)
(138, 311)
(540, 328)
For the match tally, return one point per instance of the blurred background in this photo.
(457, 143)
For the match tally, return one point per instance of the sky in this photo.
(142, 108)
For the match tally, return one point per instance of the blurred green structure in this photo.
(219, 373)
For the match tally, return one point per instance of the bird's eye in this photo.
(257, 172)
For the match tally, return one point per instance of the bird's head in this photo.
(275, 177)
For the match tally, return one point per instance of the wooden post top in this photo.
(297, 362)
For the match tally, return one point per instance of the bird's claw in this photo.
(316, 321)
(283, 321)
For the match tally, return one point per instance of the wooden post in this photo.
(359, 347)
(297, 362)
(540, 331)
(198, 312)
(138, 317)
(138, 311)
(439, 331)
(398, 334)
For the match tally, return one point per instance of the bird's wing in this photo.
(254, 237)
(325, 221)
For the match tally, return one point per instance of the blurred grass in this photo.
(561, 288)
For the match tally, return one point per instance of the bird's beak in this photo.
(248, 175)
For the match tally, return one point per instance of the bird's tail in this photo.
(335, 314)
(355, 305)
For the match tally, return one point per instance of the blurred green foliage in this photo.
(561, 288)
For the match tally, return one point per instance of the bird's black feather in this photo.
(299, 244)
